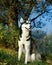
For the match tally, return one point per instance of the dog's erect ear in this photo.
(27, 21)
(21, 20)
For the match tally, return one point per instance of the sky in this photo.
(45, 19)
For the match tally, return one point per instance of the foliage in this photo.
(14, 8)
(49, 56)
(42, 42)
(1, 31)
(7, 58)
(48, 44)
(49, 1)
(12, 59)
(9, 37)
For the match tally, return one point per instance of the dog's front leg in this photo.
(27, 50)
(20, 52)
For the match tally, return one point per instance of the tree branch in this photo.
(37, 16)
(32, 20)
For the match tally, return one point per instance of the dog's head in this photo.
(25, 24)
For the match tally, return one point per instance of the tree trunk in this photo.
(12, 18)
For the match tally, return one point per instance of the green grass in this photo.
(34, 63)
(7, 58)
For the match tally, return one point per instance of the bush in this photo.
(9, 37)
(42, 42)
(7, 58)
(48, 44)
(49, 56)
(1, 32)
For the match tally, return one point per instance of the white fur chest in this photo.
(25, 32)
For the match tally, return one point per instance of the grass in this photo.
(34, 63)
(9, 57)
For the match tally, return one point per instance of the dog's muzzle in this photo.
(28, 29)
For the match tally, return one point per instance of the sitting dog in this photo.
(24, 41)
